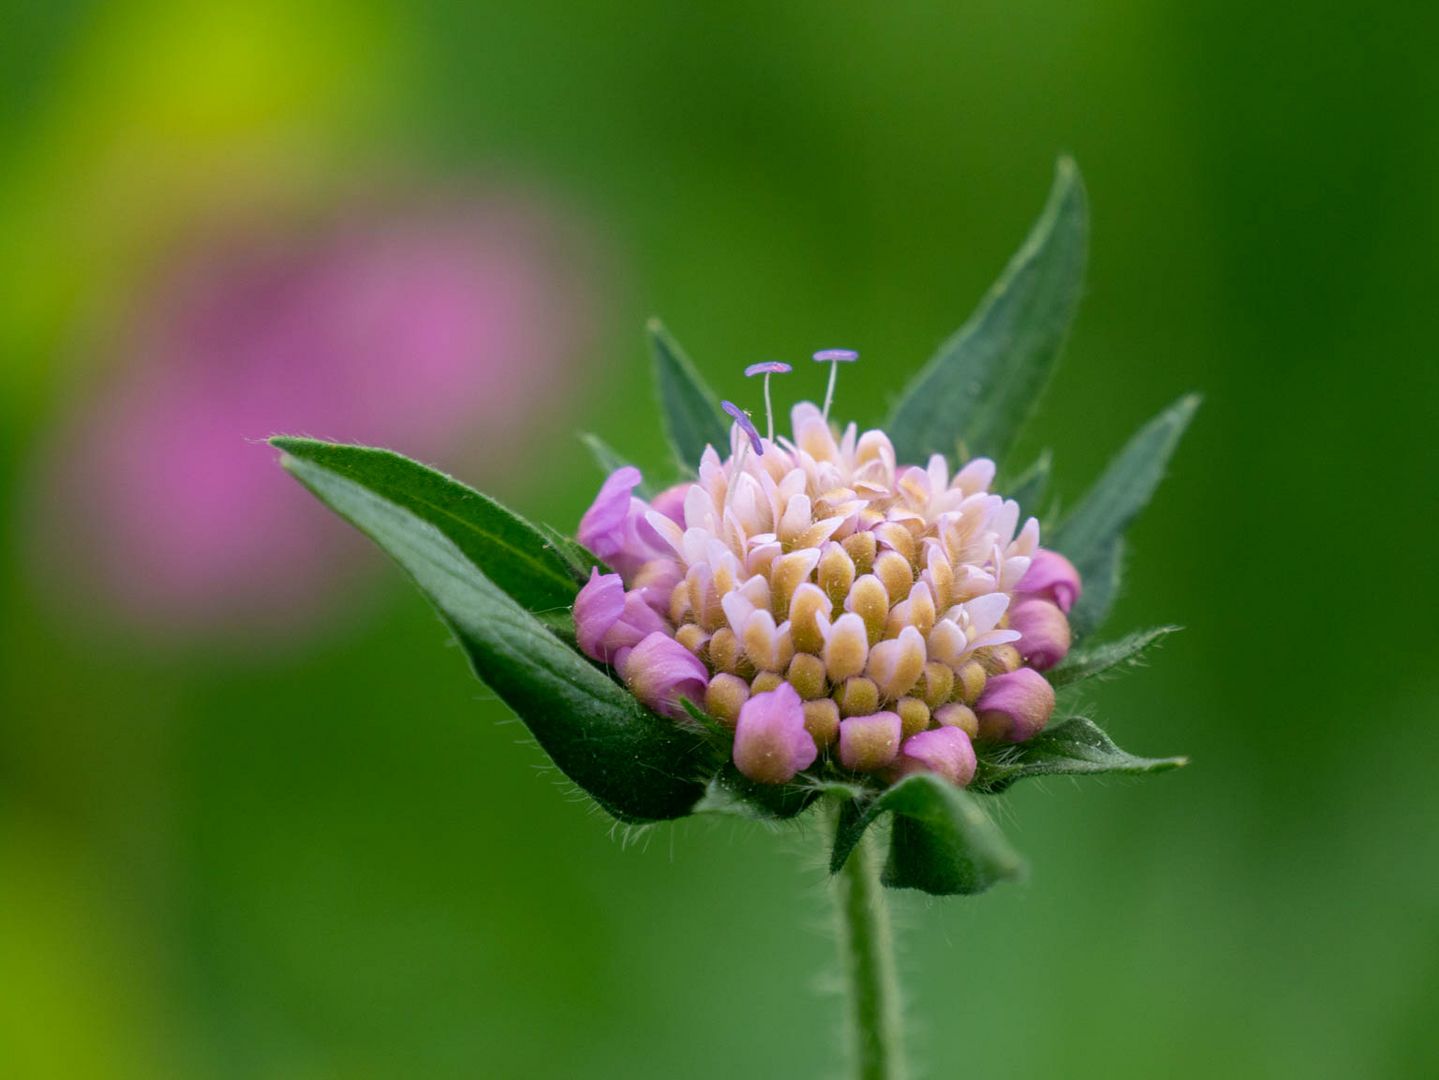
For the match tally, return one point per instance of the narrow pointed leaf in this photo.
(1102, 580)
(638, 766)
(577, 558)
(611, 460)
(1126, 652)
(513, 553)
(1123, 490)
(982, 384)
(688, 408)
(1076, 747)
(942, 843)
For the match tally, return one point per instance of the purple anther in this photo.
(768, 367)
(832, 356)
(742, 419)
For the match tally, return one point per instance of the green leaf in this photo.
(1028, 488)
(1076, 747)
(731, 792)
(983, 383)
(578, 559)
(638, 766)
(1127, 651)
(942, 842)
(689, 409)
(1123, 490)
(514, 554)
(1102, 581)
(610, 460)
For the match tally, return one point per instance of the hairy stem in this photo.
(867, 954)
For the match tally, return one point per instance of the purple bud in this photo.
(1015, 707)
(771, 743)
(746, 425)
(945, 751)
(1051, 577)
(1044, 637)
(614, 527)
(833, 356)
(607, 619)
(768, 367)
(659, 671)
(867, 743)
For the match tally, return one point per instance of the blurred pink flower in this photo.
(427, 326)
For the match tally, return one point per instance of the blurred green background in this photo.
(326, 852)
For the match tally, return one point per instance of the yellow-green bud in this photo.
(956, 715)
(724, 697)
(806, 674)
(913, 715)
(821, 720)
(857, 696)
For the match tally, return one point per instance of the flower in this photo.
(1044, 635)
(414, 320)
(771, 743)
(817, 587)
(1015, 706)
(945, 751)
(1052, 577)
(660, 671)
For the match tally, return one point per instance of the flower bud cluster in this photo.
(819, 598)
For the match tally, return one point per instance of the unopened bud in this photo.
(1015, 706)
(1051, 577)
(999, 659)
(969, 680)
(766, 681)
(771, 744)
(821, 720)
(785, 575)
(936, 684)
(1044, 633)
(693, 638)
(857, 696)
(805, 609)
(861, 547)
(869, 599)
(836, 573)
(956, 715)
(846, 647)
(806, 675)
(724, 696)
(913, 715)
(726, 653)
(868, 743)
(894, 570)
(945, 751)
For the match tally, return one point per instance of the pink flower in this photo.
(614, 526)
(945, 751)
(1044, 633)
(660, 671)
(414, 323)
(1051, 577)
(607, 619)
(771, 743)
(1015, 707)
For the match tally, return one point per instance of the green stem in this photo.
(867, 953)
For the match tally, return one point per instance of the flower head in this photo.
(818, 579)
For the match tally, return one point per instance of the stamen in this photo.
(747, 426)
(768, 368)
(833, 357)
